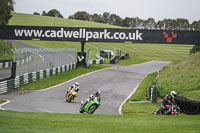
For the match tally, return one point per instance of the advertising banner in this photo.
(98, 35)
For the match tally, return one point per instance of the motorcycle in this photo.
(70, 96)
(168, 110)
(90, 106)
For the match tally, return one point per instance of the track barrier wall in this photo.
(188, 106)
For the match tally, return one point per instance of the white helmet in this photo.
(173, 94)
(77, 84)
(92, 96)
(98, 93)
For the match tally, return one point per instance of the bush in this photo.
(195, 49)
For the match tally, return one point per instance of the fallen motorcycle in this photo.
(90, 106)
(70, 96)
(168, 110)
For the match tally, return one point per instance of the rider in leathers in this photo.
(97, 94)
(74, 87)
(168, 100)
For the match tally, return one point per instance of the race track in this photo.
(115, 84)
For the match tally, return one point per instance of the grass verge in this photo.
(63, 77)
(139, 95)
(82, 123)
(2, 101)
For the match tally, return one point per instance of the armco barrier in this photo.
(96, 61)
(11, 84)
(114, 60)
(188, 106)
(99, 60)
(124, 56)
(7, 64)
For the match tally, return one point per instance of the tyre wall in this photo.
(188, 106)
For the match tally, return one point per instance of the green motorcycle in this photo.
(90, 106)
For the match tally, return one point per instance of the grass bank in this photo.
(182, 76)
(63, 77)
(36, 20)
(139, 53)
(50, 122)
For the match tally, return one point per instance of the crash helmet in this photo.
(92, 96)
(173, 94)
(77, 84)
(98, 93)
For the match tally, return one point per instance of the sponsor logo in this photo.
(168, 37)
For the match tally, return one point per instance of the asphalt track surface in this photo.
(115, 84)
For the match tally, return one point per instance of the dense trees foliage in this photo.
(133, 23)
(52, 13)
(6, 7)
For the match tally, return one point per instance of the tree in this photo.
(167, 24)
(36, 13)
(106, 17)
(54, 13)
(6, 7)
(195, 25)
(82, 15)
(44, 13)
(183, 24)
(115, 20)
(97, 18)
(150, 24)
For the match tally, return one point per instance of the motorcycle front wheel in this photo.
(92, 109)
(81, 110)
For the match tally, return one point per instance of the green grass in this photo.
(63, 77)
(2, 101)
(139, 95)
(5, 50)
(36, 20)
(82, 123)
(183, 77)
(139, 53)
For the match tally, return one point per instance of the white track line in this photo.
(134, 90)
(7, 101)
(44, 110)
(75, 79)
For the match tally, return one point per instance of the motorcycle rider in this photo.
(97, 94)
(74, 87)
(168, 100)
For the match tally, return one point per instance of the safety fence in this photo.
(12, 84)
(36, 59)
